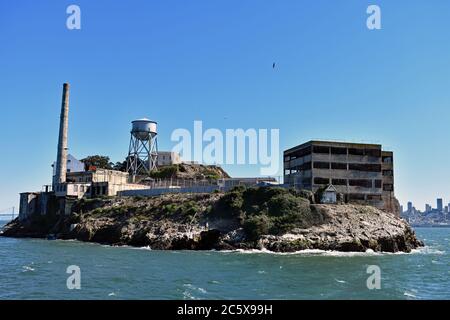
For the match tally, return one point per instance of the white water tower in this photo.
(143, 151)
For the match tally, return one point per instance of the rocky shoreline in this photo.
(273, 219)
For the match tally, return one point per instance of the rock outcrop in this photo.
(275, 219)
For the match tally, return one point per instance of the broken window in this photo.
(374, 197)
(388, 187)
(387, 159)
(372, 152)
(377, 183)
(356, 151)
(339, 182)
(335, 150)
(338, 166)
(369, 167)
(321, 149)
(388, 173)
(300, 153)
(305, 166)
(360, 183)
(321, 165)
(321, 181)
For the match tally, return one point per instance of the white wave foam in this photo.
(428, 250)
(332, 253)
(194, 288)
(409, 294)
(261, 272)
(27, 269)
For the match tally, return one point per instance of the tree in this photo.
(120, 166)
(101, 162)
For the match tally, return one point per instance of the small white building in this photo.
(167, 158)
(329, 195)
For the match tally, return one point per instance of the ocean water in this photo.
(36, 269)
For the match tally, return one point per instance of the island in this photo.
(264, 218)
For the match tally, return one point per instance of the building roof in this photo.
(334, 144)
(330, 188)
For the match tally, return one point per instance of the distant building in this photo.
(401, 209)
(166, 158)
(361, 172)
(410, 207)
(428, 208)
(440, 207)
(73, 165)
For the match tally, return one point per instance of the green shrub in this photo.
(165, 172)
(230, 205)
(257, 226)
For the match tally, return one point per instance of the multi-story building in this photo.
(361, 172)
(440, 206)
(410, 207)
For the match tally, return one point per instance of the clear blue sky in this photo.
(180, 61)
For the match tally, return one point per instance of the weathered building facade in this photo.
(167, 158)
(361, 172)
(95, 183)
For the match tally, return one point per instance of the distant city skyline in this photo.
(440, 206)
(311, 69)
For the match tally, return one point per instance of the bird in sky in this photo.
(273, 65)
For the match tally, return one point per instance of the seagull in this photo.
(273, 65)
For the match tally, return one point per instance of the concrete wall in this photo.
(29, 205)
(36, 203)
(157, 192)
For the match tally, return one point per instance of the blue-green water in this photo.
(36, 269)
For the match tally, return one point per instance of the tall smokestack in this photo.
(61, 160)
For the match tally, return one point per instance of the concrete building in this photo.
(387, 167)
(428, 208)
(95, 183)
(361, 172)
(166, 158)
